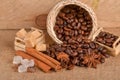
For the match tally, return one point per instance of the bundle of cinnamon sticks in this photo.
(43, 61)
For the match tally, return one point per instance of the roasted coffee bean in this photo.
(73, 46)
(76, 27)
(89, 29)
(74, 24)
(79, 39)
(67, 29)
(56, 28)
(106, 55)
(84, 23)
(76, 33)
(89, 22)
(85, 46)
(108, 36)
(75, 60)
(89, 26)
(76, 20)
(87, 40)
(88, 18)
(59, 22)
(71, 33)
(70, 67)
(64, 23)
(61, 14)
(66, 10)
(59, 36)
(99, 39)
(74, 54)
(84, 28)
(67, 38)
(109, 40)
(81, 20)
(102, 60)
(69, 21)
(79, 24)
(79, 50)
(68, 51)
(82, 32)
(80, 64)
(60, 30)
(70, 16)
(92, 45)
(69, 26)
(100, 48)
(67, 33)
(102, 34)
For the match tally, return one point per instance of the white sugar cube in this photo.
(31, 63)
(22, 68)
(17, 59)
(25, 62)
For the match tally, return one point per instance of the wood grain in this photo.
(16, 14)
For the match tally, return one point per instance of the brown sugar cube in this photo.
(21, 33)
(29, 40)
(19, 44)
(19, 48)
(19, 40)
(41, 47)
(40, 40)
(35, 34)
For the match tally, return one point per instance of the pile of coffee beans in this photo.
(78, 50)
(106, 38)
(73, 27)
(71, 22)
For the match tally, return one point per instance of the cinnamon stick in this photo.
(44, 55)
(38, 63)
(45, 58)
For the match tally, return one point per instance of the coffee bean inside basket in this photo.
(106, 38)
(72, 21)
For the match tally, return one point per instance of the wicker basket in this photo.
(51, 19)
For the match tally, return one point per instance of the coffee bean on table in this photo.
(74, 51)
(102, 60)
(92, 45)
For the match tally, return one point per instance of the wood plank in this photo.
(16, 14)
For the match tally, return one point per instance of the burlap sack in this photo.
(51, 19)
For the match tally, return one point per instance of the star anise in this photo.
(63, 58)
(91, 59)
